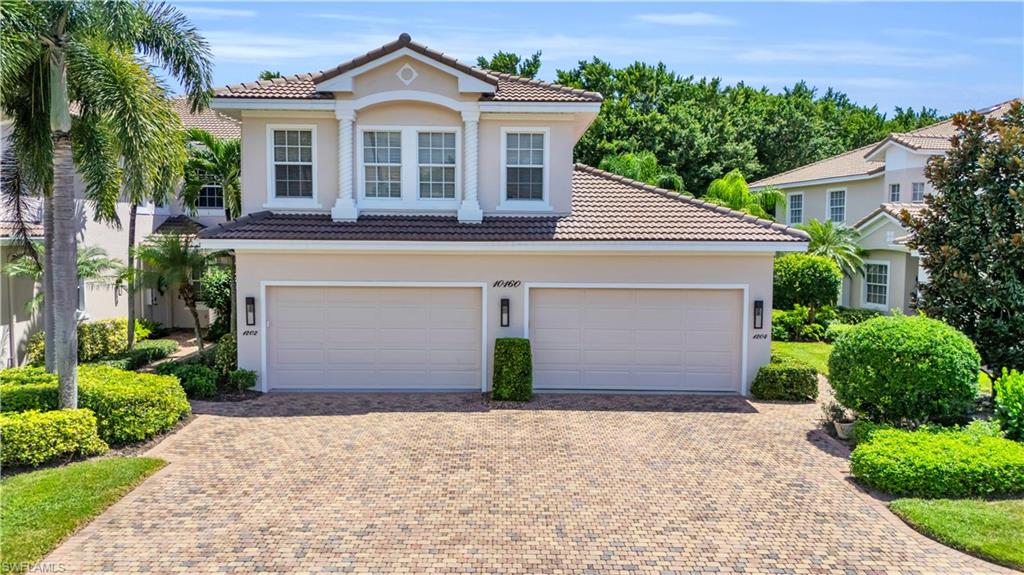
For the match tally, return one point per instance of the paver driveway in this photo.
(442, 483)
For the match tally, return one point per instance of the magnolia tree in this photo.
(971, 236)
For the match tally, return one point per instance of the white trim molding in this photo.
(744, 288)
(410, 200)
(789, 208)
(818, 181)
(516, 247)
(275, 203)
(507, 205)
(344, 209)
(828, 204)
(467, 83)
(469, 210)
(888, 285)
(265, 375)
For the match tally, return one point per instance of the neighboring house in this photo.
(403, 210)
(100, 301)
(867, 189)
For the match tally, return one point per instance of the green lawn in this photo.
(814, 353)
(40, 508)
(991, 530)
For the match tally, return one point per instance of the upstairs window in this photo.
(837, 206)
(293, 163)
(796, 208)
(917, 192)
(524, 165)
(437, 165)
(211, 196)
(382, 164)
(894, 192)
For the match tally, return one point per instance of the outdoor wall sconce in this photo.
(250, 311)
(758, 314)
(504, 312)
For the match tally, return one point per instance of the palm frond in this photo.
(22, 23)
(96, 157)
(169, 38)
(19, 204)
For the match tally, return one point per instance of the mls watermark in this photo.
(26, 567)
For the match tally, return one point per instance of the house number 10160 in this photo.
(507, 284)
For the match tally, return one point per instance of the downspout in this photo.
(12, 359)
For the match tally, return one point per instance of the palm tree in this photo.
(732, 191)
(172, 259)
(99, 53)
(642, 167)
(217, 162)
(94, 265)
(836, 242)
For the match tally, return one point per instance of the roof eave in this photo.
(820, 181)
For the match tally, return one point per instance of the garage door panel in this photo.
(606, 358)
(708, 340)
(555, 337)
(653, 359)
(605, 318)
(659, 339)
(556, 357)
(706, 359)
(388, 338)
(609, 339)
(555, 316)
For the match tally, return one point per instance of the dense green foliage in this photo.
(225, 356)
(829, 322)
(838, 243)
(703, 129)
(642, 167)
(34, 437)
(41, 508)
(511, 63)
(240, 380)
(905, 371)
(129, 406)
(732, 191)
(971, 236)
(807, 280)
(1010, 404)
(215, 290)
(198, 381)
(786, 379)
(513, 369)
(144, 353)
(970, 462)
(101, 339)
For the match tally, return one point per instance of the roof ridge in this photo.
(983, 111)
(534, 81)
(814, 163)
(742, 216)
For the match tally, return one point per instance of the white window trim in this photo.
(273, 202)
(828, 203)
(148, 208)
(924, 190)
(789, 205)
(864, 287)
(542, 205)
(899, 192)
(410, 199)
(211, 211)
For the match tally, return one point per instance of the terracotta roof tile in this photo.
(894, 209)
(179, 224)
(605, 207)
(9, 229)
(210, 120)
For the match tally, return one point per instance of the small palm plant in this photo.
(217, 162)
(838, 243)
(732, 191)
(174, 260)
(94, 266)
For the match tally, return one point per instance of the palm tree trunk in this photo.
(131, 271)
(48, 282)
(195, 321)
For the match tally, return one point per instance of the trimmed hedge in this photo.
(32, 438)
(786, 380)
(144, 353)
(806, 279)
(905, 371)
(513, 369)
(241, 380)
(198, 381)
(952, 463)
(99, 339)
(129, 406)
(1010, 403)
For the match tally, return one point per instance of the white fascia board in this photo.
(551, 247)
(818, 182)
(467, 83)
(540, 107)
(891, 143)
(270, 104)
(872, 224)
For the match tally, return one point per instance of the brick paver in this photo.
(310, 483)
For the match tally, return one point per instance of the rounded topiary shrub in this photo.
(905, 371)
(32, 438)
(513, 369)
(786, 380)
(807, 280)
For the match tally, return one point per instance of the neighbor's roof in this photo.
(508, 88)
(180, 225)
(210, 120)
(9, 229)
(605, 207)
(933, 138)
(893, 209)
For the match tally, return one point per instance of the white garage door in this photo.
(374, 338)
(636, 339)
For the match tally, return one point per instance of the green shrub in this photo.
(905, 371)
(795, 325)
(101, 339)
(836, 329)
(1010, 404)
(225, 356)
(779, 333)
(787, 380)
(513, 369)
(32, 438)
(938, 464)
(807, 280)
(128, 406)
(853, 316)
(241, 379)
(215, 292)
(35, 350)
(25, 375)
(198, 381)
(144, 353)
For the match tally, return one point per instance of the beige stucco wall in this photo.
(904, 167)
(902, 281)
(862, 196)
(18, 323)
(384, 78)
(254, 267)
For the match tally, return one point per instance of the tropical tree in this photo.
(732, 191)
(98, 54)
(836, 242)
(643, 167)
(213, 161)
(269, 75)
(94, 265)
(511, 63)
(175, 260)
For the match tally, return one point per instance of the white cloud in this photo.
(686, 19)
(215, 13)
(363, 19)
(858, 53)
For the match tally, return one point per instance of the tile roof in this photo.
(605, 207)
(508, 88)
(210, 120)
(9, 229)
(894, 209)
(179, 224)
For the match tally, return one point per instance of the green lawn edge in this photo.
(40, 509)
(813, 353)
(989, 530)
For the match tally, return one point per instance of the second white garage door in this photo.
(374, 338)
(636, 339)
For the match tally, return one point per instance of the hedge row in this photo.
(32, 438)
(144, 353)
(787, 380)
(99, 339)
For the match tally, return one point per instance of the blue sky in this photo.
(950, 56)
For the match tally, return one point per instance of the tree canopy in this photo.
(511, 63)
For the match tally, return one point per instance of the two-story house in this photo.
(403, 210)
(867, 189)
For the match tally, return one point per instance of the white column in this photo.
(469, 211)
(345, 206)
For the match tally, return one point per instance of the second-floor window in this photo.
(211, 196)
(436, 165)
(917, 192)
(524, 165)
(894, 192)
(293, 163)
(382, 164)
(796, 208)
(837, 206)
